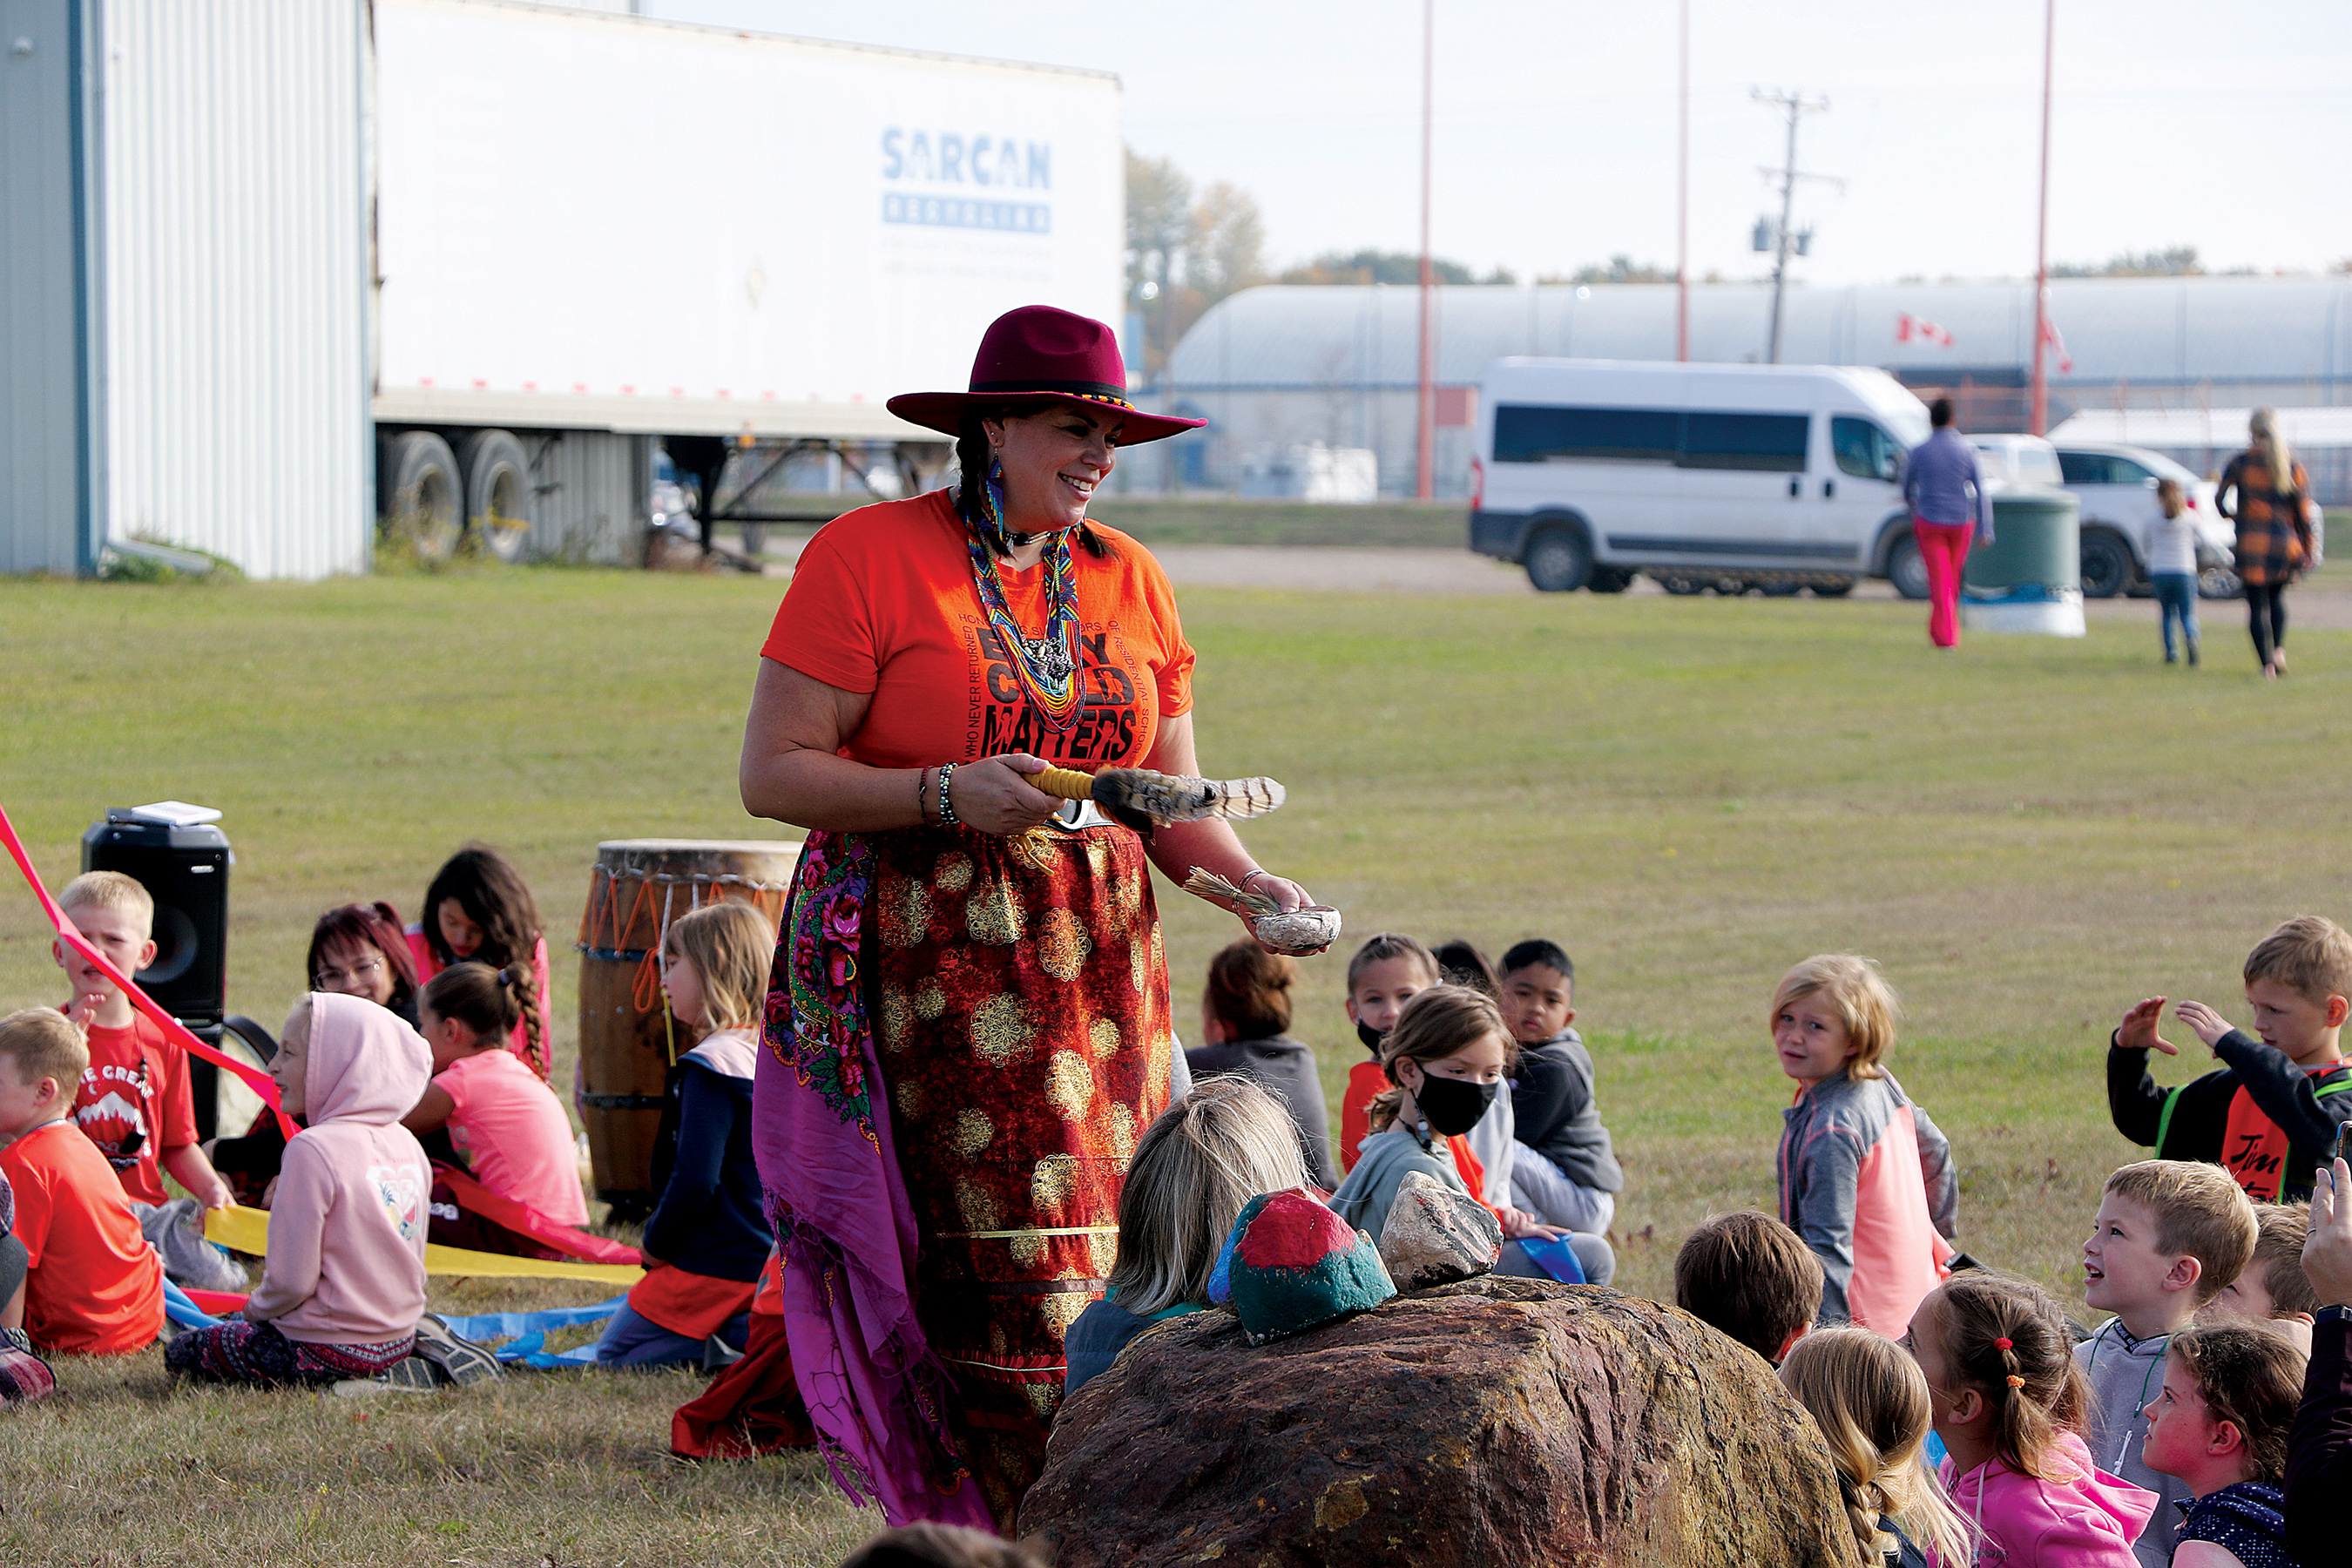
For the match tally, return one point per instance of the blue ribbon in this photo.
(184, 1313)
(526, 1333)
(1555, 1258)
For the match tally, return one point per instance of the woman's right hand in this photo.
(995, 794)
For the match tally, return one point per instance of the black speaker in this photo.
(185, 871)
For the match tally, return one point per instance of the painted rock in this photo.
(1435, 1235)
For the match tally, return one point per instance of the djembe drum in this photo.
(628, 1041)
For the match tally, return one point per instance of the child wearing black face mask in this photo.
(1444, 1061)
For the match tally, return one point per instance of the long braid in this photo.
(974, 459)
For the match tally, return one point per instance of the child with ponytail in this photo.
(507, 1125)
(2007, 1401)
(1869, 1399)
(1444, 1062)
(477, 906)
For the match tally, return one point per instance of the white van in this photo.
(1721, 475)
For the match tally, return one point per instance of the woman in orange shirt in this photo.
(968, 1027)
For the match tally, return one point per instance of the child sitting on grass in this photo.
(343, 1285)
(1564, 1170)
(1872, 1403)
(2169, 1235)
(706, 1239)
(477, 907)
(1444, 1062)
(2007, 1400)
(2220, 1424)
(1387, 970)
(92, 1285)
(1246, 1023)
(507, 1124)
(1865, 1177)
(2273, 1292)
(133, 1100)
(1193, 1171)
(1748, 1275)
(2269, 1114)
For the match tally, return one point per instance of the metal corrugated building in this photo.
(221, 238)
(1282, 364)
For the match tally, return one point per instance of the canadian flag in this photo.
(2051, 335)
(1909, 328)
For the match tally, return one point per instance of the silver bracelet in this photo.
(1257, 871)
(948, 818)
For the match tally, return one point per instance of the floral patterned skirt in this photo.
(1018, 994)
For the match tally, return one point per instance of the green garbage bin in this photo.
(2030, 578)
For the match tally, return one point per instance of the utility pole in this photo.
(1796, 107)
(1426, 404)
(1682, 197)
(2040, 422)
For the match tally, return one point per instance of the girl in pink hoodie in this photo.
(344, 1283)
(2007, 1399)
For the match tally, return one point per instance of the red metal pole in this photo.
(1682, 200)
(2038, 421)
(1427, 419)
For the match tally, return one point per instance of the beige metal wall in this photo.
(237, 263)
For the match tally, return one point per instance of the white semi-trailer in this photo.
(309, 265)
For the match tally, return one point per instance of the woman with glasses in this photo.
(356, 949)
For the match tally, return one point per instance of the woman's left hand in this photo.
(1285, 892)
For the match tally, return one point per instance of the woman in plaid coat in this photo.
(2265, 492)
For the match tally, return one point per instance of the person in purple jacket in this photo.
(1945, 489)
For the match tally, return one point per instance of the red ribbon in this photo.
(524, 1220)
(261, 1082)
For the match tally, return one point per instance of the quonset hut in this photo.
(1284, 365)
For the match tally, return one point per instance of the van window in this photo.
(1532, 434)
(1767, 443)
(1864, 449)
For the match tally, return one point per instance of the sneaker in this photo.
(413, 1372)
(718, 1354)
(373, 1387)
(462, 1361)
(2192, 653)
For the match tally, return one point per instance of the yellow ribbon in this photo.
(247, 1230)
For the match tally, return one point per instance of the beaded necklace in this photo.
(1046, 667)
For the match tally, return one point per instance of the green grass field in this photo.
(1689, 794)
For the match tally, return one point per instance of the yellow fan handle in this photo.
(1064, 783)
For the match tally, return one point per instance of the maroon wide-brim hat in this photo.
(1040, 351)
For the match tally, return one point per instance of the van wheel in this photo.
(2106, 564)
(1907, 569)
(1608, 580)
(1560, 560)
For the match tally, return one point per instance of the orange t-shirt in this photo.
(93, 1287)
(882, 603)
(135, 1092)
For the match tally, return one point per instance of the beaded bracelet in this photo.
(948, 817)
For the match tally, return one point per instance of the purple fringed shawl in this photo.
(844, 1230)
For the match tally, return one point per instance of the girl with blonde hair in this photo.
(708, 1238)
(1866, 1179)
(1194, 1170)
(1870, 1402)
(2266, 492)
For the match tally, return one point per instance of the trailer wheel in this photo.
(1682, 587)
(2218, 583)
(1835, 588)
(423, 495)
(498, 494)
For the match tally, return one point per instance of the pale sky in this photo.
(2224, 126)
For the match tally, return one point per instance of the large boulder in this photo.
(1494, 1421)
